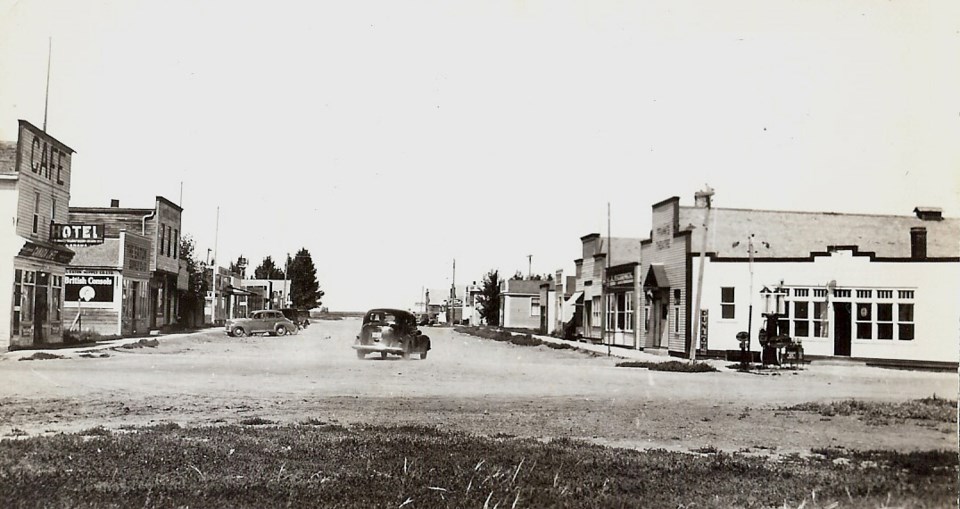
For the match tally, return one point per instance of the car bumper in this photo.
(378, 348)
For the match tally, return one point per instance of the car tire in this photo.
(423, 355)
(239, 332)
(280, 330)
(383, 355)
(361, 354)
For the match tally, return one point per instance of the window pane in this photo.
(800, 309)
(884, 313)
(906, 331)
(726, 311)
(801, 328)
(864, 330)
(817, 329)
(884, 331)
(906, 312)
(726, 295)
(864, 312)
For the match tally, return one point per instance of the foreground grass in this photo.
(933, 409)
(323, 465)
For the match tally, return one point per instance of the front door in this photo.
(658, 327)
(40, 315)
(841, 328)
(134, 294)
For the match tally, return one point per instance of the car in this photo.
(264, 321)
(301, 317)
(391, 331)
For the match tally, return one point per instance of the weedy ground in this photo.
(318, 464)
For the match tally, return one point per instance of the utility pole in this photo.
(216, 300)
(707, 195)
(603, 288)
(529, 266)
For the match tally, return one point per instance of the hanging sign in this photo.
(704, 326)
(77, 234)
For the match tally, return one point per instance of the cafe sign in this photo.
(77, 234)
(50, 254)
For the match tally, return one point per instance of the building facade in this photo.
(106, 289)
(160, 226)
(879, 287)
(520, 303)
(592, 269)
(35, 174)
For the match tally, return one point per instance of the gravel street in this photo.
(467, 383)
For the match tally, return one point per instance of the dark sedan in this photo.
(391, 331)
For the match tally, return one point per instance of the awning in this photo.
(576, 298)
(46, 251)
(233, 290)
(656, 277)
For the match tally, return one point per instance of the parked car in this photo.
(301, 317)
(391, 331)
(265, 321)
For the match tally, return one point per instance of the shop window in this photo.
(864, 320)
(627, 311)
(884, 321)
(801, 319)
(819, 318)
(56, 298)
(534, 306)
(17, 303)
(727, 306)
(783, 324)
(611, 312)
(905, 321)
(595, 311)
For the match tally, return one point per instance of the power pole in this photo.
(529, 266)
(603, 288)
(46, 95)
(706, 194)
(216, 235)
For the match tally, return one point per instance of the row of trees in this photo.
(305, 292)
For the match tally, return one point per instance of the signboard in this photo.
(50, 254)
(89, 288)
(77, 234)
(621, 278)
(704, 328)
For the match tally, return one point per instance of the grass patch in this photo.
(297, 466)
(41, 356)
(677, 366)
(940, 410)
(256, 421)
(560, 346)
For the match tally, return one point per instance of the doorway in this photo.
(841, 328)
(660, 309)
(40, 315)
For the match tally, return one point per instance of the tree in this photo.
(238, 266)
(304, 289)
(489, 298)
(268, 270)
(192, 300)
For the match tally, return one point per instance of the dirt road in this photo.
(467, 383)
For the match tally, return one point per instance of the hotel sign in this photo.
(77, 234)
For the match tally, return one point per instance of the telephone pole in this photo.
(707, 196)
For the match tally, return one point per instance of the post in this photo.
(46, 95)
(750, 306)
(708, 195)
(216, 237)
(605, 309)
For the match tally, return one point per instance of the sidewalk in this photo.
(104, 344)
(622, 352)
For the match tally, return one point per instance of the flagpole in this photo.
(46, 95)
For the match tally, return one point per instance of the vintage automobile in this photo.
(391, 331)
(265, 321)
(301, 317)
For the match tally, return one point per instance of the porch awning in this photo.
(576, 298)
(233, 290)
(45, 251)
(656, 277)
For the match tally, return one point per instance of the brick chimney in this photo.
(918, 242)
(114, 204)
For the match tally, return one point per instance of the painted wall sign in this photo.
(89, 288)
(33, 250)
(704, 328)
(77, 234)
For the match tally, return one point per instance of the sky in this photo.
(390, 138)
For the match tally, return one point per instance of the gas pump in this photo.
(777, 344)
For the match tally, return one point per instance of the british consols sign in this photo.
(89, 288)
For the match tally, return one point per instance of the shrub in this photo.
(677, 366)
(39, 356)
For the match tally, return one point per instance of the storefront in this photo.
(34, 193)
(106, 288)
(621, 296)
